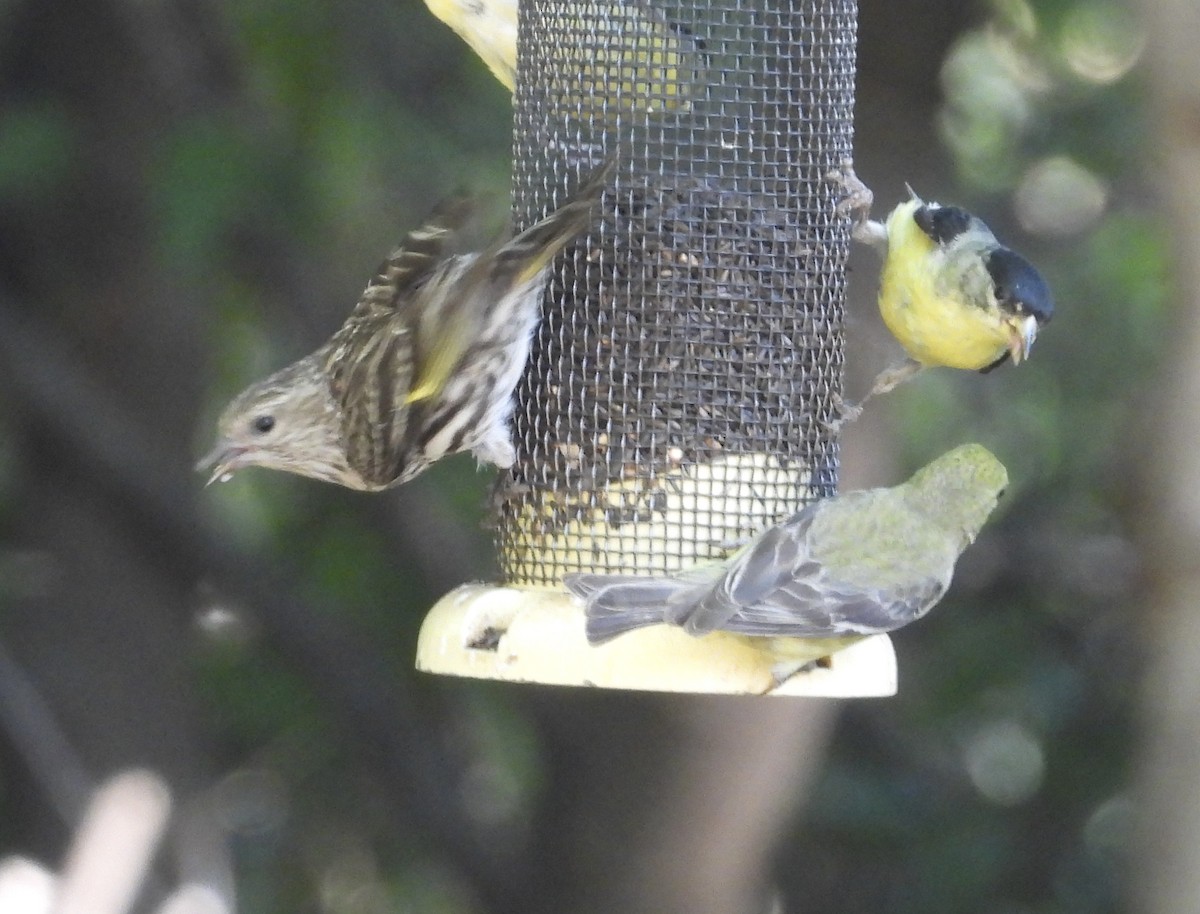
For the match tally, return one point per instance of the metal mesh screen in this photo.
(691, 346)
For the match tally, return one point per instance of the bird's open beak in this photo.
(1021, 334)
(223, 459)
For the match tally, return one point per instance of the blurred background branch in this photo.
(90, 432)
(1168, 845)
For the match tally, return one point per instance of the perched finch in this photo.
(425, 366)
(950, 293)
(842, 568)
(661, 71)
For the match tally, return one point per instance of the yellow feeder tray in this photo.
(537, 635)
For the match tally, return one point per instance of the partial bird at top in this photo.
(654, 64)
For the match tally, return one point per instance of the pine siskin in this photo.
(661, 70)
(424, 367)
(839, 570)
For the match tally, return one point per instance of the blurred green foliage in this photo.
(354, 130)
(999, 783)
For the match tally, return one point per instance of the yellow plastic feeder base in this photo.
(532, 635)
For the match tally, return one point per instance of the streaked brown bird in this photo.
(424, 367)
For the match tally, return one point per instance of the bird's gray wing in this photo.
(759, 571)
(617, 603)
(810, 605)
(770, 560)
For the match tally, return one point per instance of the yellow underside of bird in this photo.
(490, 28)
(790, 656)
(634, 53)
(941, 313)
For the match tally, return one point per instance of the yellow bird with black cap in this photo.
(951, 293)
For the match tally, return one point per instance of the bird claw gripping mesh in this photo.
(688, 366)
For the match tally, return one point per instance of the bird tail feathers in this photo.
(535, 247)
(616, 604)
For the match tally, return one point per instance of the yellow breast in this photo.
(939, 315)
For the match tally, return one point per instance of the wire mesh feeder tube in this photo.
(690, 353)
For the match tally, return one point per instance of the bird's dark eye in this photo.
(263, 424)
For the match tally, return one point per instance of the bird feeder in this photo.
(687, 370)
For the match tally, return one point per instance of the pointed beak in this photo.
(223, 459)
(1021, 334)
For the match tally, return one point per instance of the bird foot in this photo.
(846, 411)
(857, 205)
(887, 380)
(784, 672)
(891, 378)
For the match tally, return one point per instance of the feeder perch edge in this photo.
(519, 634)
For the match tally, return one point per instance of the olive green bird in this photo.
(654, 62)
(425, 366)
(841, 569)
